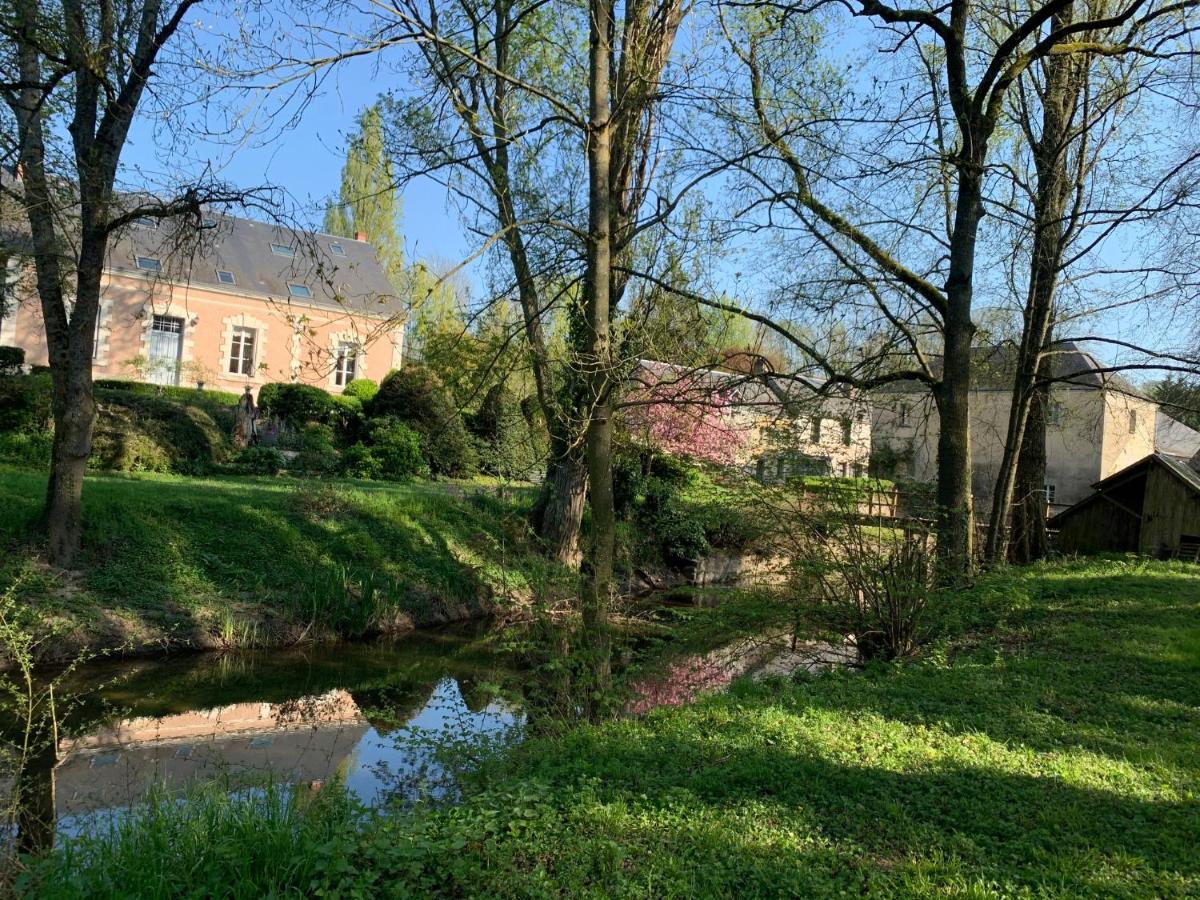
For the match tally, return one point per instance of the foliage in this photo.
(145, 433)
(397, 449)
(1180, 398)
(367, 200)
(359, 461)
(362, 389)
(508, 444)
(25, 403)
(686, 415)
(12, 359)
(415, 395)
(259, 460)
(295, 404)
(316, 452)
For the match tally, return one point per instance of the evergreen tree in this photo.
(367, 200)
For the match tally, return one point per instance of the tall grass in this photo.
(208, 842)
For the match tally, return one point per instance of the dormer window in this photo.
(283, 250)
(225, 277)
(147, 263)
(337, 249)
(299, 290)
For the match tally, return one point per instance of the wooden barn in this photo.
(1151, 507)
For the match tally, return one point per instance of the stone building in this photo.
(1098, 424)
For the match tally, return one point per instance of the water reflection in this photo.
(373, 716)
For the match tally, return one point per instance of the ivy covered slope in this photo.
(1048, 745)
(221, 562)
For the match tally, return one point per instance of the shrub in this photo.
(507, 446)
(398, 450)
(26, 448)
(417, 397)
(359, 462)
(316, 451)
(141, 433)
(296, 404)
(629, 480)
(260, 461)
(361, 389)
(25, 403)
(12, 359)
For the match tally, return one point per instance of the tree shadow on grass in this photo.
(742, 822)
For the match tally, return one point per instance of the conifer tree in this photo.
(367, 200)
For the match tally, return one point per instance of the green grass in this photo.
(1050, 746)
(238, 561)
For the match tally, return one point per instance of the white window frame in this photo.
(156, 267)
(283, 250)
(305, 292)
(1051, 491)
(232, 278)
(337, 248)
(238, 363)
(345, 366)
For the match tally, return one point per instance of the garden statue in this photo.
(245, 428)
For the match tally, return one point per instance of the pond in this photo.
(369, 715)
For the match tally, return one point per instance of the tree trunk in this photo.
(558, 512)
(1063, 84)
(955, 522)
(1029, 541)
(596, 359)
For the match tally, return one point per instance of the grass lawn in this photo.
(235, 560)
(1048, 746)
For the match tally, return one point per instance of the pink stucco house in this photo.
(235, 302)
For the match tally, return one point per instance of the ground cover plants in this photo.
(1045, 745)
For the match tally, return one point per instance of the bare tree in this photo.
(87, 66)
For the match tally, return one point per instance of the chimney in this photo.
(360, 236)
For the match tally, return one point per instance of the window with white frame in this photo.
(1051, 492)
(337, 249)
(148, 263)
(283, 250)
(1054, 414)
(299, 290)
(241, 351)
(225, 277)
(346, 365)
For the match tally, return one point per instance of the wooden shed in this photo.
(1151, 507)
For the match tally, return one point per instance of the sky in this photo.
(305, 158)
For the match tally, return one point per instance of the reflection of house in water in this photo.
(301, 740)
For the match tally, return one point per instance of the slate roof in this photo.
(993, 368)
(1175, 438)
(353, 282)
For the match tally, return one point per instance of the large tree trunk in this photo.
(1063, 84)
(955, 521)
(558, 512)
(1029, 541)
(597, 356)
(74, 416)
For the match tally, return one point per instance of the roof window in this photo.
(337, 249)
(148, 263)
(283, 250)
(225, 277)
(299, 290)
(146, 222)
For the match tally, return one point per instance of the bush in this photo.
(397, 448)
(12, 359)
(317, 454)
(25, 403)
(359, 462)
(26, 448)
(361, 389)
(261, 461)
(143, 433)
(296, 404)
(417, 397)
(507, 446)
